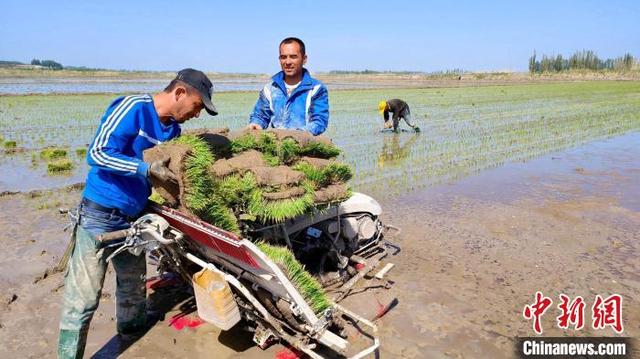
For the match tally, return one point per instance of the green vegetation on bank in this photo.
(580, 60)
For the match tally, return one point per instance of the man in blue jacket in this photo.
(293, 99)
(116, 191)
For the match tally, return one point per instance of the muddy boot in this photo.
(71, 343)
(133, 330)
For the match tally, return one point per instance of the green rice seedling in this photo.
(332, 173)
(317, 176)
(349, 192)
(81, 152)
(10, 145)
(271, 159)
(218, 214)
(53, 153)
(235, 189)
(199, 183)
(319, 149)
(280, 210)
(266, 143)
(156, 197)
(200, 194)
(338, 172)
(307, 285)
(59, 165)
(244, 143)
(288, 150)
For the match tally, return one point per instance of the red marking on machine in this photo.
(207, 235)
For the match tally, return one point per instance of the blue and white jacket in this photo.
(118, 176)
(306, 109)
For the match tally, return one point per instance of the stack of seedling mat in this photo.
(250, 176)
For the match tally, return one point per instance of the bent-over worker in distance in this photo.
(293, 99)
(400, 110)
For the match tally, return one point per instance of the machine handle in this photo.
(115, 235)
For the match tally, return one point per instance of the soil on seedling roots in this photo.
(474, 253)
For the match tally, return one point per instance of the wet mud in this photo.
(474, 253)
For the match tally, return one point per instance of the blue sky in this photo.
(242, 36)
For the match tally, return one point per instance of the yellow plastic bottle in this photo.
(214, 299)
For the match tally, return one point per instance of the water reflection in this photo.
(395, 150)
(21, 86)
(27, 171)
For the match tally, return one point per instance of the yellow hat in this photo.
(381, 106)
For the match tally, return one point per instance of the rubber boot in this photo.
(134, 329)
(71, 344)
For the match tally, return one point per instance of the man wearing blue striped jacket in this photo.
(116, 191)
(293, 99)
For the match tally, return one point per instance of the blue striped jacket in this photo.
(307, 108)
(118, 176)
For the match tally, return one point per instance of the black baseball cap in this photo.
(199, 81)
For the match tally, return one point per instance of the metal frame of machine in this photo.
(180, 239)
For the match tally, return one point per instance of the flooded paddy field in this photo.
(150, 82)
(508, 190)
(463, 129)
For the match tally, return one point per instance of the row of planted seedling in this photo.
(464, 129)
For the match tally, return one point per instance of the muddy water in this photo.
(23, 172)
(474, 253)
(92, 85)
(21, 86)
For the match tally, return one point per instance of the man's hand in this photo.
(159, 171)
(254, 126)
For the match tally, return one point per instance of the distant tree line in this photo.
(47, 63)
(580, 60)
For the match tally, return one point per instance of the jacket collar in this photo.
(305, 83)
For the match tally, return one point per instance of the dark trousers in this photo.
(85, 277)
